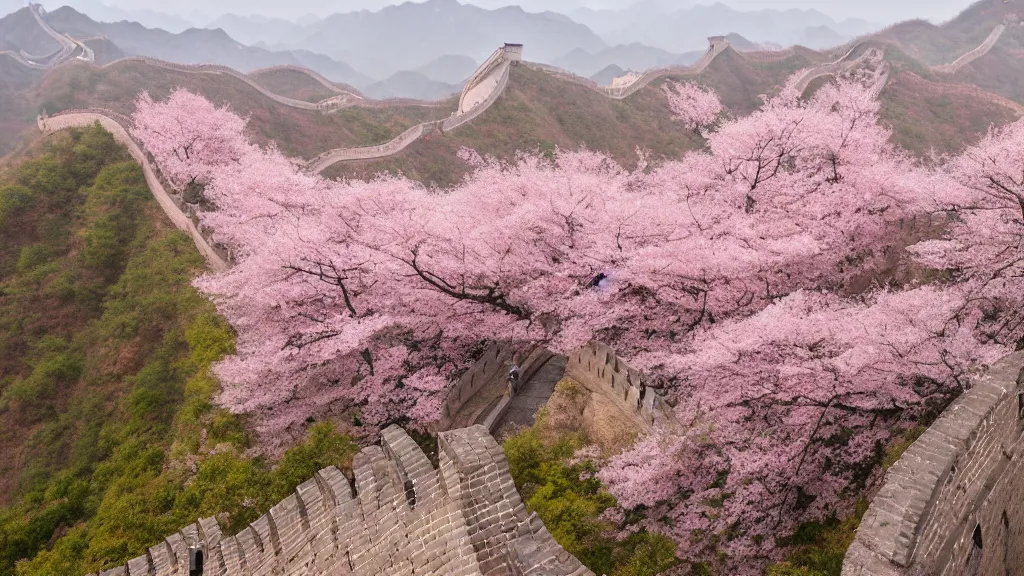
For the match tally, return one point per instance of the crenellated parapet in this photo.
(397, 515)
(600, 370)
(954, 502)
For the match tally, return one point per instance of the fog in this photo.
(880, 11)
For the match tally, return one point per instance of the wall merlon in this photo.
(463, 520)
(599, 369)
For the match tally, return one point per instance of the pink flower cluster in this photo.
(694, 105)
(732, 277)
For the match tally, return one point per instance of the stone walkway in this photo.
(535, 393)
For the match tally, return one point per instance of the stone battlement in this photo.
(953, 505)
(597, 368)
(403, 517)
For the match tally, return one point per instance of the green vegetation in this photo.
(105, 385)
(570, 501)
(818, 548)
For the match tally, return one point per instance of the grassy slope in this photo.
(570, 500)
(739, 83)
(932, 45)
(538, 111)
(105, 390)
(1001, 71)
(293, 84)
(302, 133)
(924, 116)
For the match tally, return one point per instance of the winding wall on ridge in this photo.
(953, 505)
(169, 202)
(496, 66)
(403, 518)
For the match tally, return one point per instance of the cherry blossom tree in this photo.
(984, 249)
(187, 135)
(693, 104)
(814, 384)
(726, 276)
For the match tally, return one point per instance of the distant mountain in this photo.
(605, 21)
(411, 85)
(408, 36)
(656, 24)
(560, 6)
(626, 56)
(19, 31)
(195, 46)
(607, 74)
(102, 12)
(253, 30)
(449, 69)
(818, 37)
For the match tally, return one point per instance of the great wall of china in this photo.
(951, 505)
(488, 82)
(404, 518)
(954, 502)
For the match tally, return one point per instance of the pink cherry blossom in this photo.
(733, 278)
(695, 105)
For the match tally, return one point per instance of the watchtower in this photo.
(513, 52)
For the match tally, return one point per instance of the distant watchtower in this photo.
(716, 44)
(513, 52)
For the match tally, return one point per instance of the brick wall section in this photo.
(491, 365)
(963, 477)
(400, 142)
(497, 58)
(505, 538)
(404, 518)
(456, 120)
(598, 369)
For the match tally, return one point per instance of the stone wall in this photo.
(165, 197)
(493, 363)
(598, 369)
(403, 518)
(456, 120)
(497, 58)
(981, 50)
(393, 146)
(954, 503)
(399, 143)
(67, 46)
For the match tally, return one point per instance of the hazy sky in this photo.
(883, 11)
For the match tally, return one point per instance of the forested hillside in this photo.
(109, 438)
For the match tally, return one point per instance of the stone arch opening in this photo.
(974, 557)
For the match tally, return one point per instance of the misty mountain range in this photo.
(426, 50)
